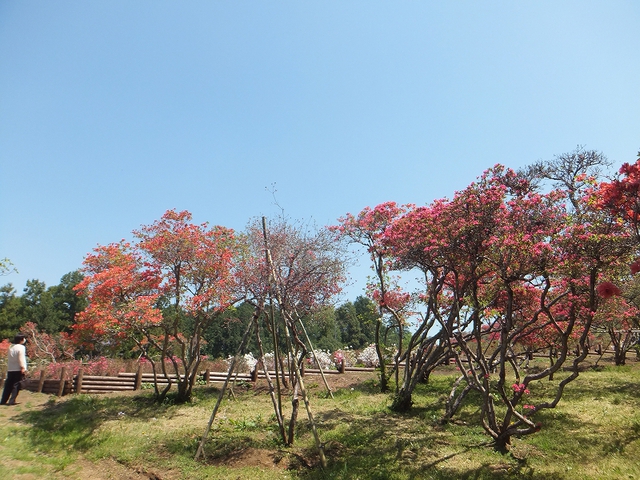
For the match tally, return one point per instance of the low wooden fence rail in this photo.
(124, 381)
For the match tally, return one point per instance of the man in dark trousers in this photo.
(16, 370)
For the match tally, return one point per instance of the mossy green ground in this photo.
(593, 434)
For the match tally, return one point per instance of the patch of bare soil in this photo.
(26, 401)
(335, 381)
(108, 469)
(253, 457)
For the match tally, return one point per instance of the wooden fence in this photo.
(82, 383)
(124, 381)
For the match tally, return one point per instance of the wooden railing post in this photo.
(254, 374)
(207, 376)
(63, 374)
(79, 377)
(343, 365)
(138, 383)
(41, 382)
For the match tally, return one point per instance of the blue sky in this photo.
(113, 112)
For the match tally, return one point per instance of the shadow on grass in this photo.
(561, 434)
(73, 422)
(624, 439)
(630, 391)
(388, 446)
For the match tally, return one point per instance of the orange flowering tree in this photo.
(161, 292)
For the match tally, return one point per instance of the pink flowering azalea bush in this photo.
(506, 266)
(347, 355)
(98, 366)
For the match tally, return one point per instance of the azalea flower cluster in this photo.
(97, 366)
(369, 356)
(347, 355)
(245, 363)
(520, 388)
(4, 348)
(269, 360)
(621, 197)
(324, 360)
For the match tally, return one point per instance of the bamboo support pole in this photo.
(232, 367)
(275, 399)
(274, 333)
(324, 379)
(307, 404)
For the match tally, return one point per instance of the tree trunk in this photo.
(503, 444)
(295, 404)
(402, 401)
(384, 386)
(620, 356)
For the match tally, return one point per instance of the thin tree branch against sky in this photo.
(112, 113)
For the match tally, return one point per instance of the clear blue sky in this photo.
(113, 112)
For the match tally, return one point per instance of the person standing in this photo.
(16, 370)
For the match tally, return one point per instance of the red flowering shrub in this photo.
(608, 290)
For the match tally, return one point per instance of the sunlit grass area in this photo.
(594, 433)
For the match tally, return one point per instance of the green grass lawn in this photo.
(593, 434)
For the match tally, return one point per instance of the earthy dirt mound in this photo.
(253, 457)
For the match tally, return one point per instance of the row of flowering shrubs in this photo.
(318, 359)
(111, 367)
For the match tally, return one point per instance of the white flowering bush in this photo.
(246, 363)
(269, 360)
(368, 357)
(323, 357)
(250, 361)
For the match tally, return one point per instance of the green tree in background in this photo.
(52, 309)
(352, 324)
(6, 267)
(356, 323)
(66, 300)
(10, 308)
(323, 330)
(223, 338)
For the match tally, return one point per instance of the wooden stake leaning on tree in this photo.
(241, 348)
(305, 397)
(313, 352)
(277, 403)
